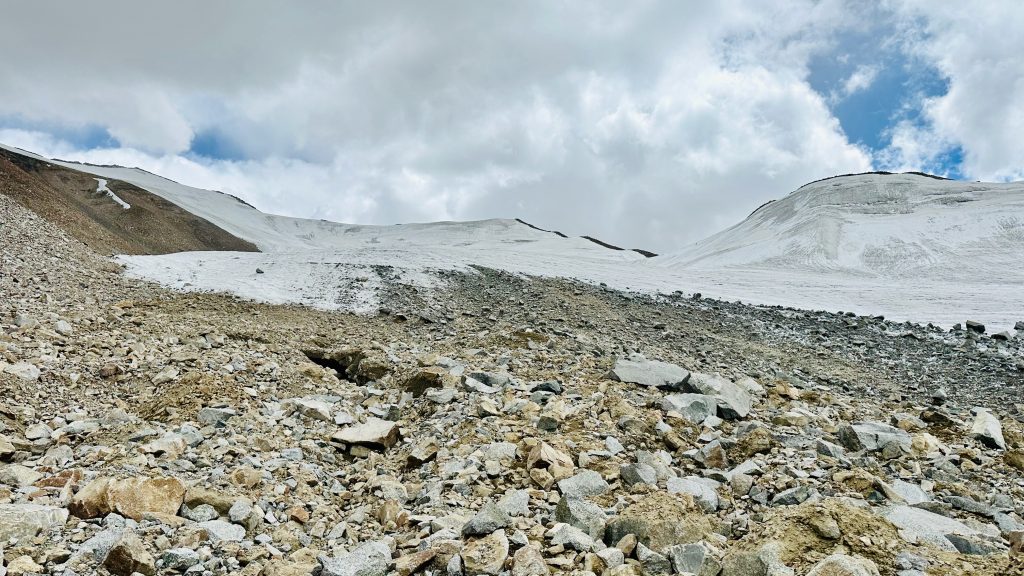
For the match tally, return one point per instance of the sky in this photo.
(649, 124)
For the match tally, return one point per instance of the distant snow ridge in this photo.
(900, 226)
(905, 246)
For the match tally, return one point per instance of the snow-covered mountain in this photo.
(886, 226)
(907, 246)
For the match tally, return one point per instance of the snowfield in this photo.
(905, 246)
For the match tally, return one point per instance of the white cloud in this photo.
(861, 79)
(650, 125)
(977, 48)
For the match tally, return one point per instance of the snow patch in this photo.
(102, 187)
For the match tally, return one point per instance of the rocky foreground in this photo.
(506, 426)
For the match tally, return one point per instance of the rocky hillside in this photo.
(495, 425)
(110, 216)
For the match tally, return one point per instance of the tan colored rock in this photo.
(128, 556)
(7, 449)
(24, 565)
(558, 464)
(528, 561)
(486, 555)
(246, 477)
(411, 563)
(375, 434)
(131, 497)
(659, 521)
(198, 495)
(91, 500)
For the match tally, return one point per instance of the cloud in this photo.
(977, 49)
(861, 79)
(651, 124)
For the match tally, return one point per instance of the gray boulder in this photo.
(703, 491)
(694, 408)
(872, 436)
(733, 400)
(369, 559)
(987, 430)
(639, 370)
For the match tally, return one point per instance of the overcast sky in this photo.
(649, 124)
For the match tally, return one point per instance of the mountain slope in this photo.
(94, 210)
(904, 246)
(887, 226)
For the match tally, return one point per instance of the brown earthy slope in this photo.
(69, 199)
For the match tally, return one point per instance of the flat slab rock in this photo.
(653, 373)
(23, 521)
(927, 526)
(374, 433)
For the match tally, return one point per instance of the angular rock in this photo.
(24, 521)
(375, 434)
(582, 514)
(987, 430)
(843, 565)
(24, 370)
(659, 521)
(584, 483)
(921, 524)
(131, 497)
(179, 559)
(693, 558)
(694, 408)
(562, 534)
(128, 556)
(872, 436)
(632, 474)
(651, 373)
(703, 491)
(651, 562)
(218, 531)
(487, 520)
(733, 401)
(557, 463)
(368, 559)
(528, 561)
(486, 555)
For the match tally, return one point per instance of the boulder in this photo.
(872, 436)
(582, 514)
(584, 483)
(987, 430)
(369, 559)
(703, 491)
(659, 521)
(557, 463)
(528, 561)
(24, 521)
(487, 520)
(129, 556)
(639, 370)
(375, 434)
(130, 497)
(733, 400)
(486, 555)
(218, 531)
(694, 408)
(919, 524)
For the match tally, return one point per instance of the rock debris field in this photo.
(501, 425)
